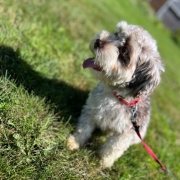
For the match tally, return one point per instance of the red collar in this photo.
(131, 103)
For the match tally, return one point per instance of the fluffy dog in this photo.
(128, 65)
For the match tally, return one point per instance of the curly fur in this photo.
(126, 62)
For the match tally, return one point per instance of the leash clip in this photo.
(133, 115)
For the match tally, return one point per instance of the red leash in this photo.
(133, 104)
(148, 149)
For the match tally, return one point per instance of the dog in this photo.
(128, 65)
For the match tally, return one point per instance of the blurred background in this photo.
(168, 13)
(43, 87)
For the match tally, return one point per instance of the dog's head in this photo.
(126, 59)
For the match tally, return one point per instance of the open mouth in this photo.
(89, 63)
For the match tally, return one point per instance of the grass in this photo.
(43, 88)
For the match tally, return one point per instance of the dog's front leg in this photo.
(82, 132)
(113, 148)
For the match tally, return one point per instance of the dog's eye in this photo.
(124, 51)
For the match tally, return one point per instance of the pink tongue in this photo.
(89, 63)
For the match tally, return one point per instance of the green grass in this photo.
(43, 88)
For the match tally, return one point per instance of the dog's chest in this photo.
(107, 112)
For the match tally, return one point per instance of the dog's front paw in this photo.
(106, 162)
(72, 144)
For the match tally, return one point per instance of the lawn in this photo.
(43, 88)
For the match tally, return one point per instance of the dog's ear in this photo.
(146, 76)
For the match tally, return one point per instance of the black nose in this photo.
(98, 44)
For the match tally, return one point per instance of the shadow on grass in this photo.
(63, 98)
